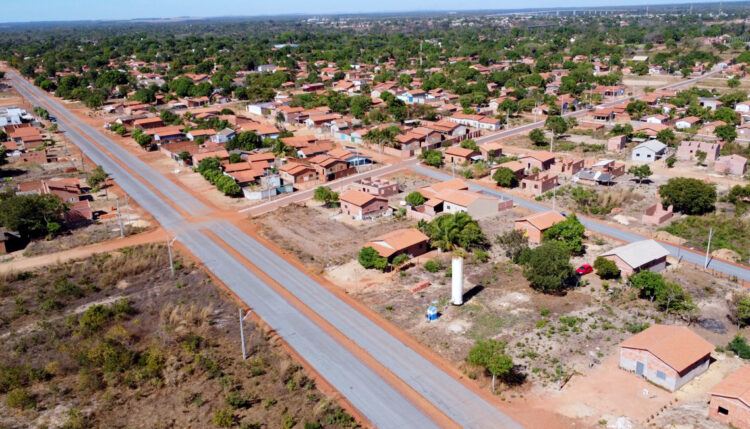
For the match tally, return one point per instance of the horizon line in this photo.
(355, 14)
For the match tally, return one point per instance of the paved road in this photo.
(617, 233)
(376, 399)
(578, 113)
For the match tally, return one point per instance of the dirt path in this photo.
(82, 252)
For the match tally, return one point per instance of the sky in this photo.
(72, 10)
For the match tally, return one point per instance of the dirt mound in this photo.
(669, 238)
(726, 254)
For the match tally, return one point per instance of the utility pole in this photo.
(708, 248)
(119, 218)
(242, 335)
(169, 251)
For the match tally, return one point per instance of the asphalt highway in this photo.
(364, 388)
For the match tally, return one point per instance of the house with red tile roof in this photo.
(361, 205)
(295, 173)
(408, 241)
(730, 399)
(666, 355)
(458, 155)
(534, 225)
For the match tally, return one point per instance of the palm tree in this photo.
(446, 230)
(380, 137)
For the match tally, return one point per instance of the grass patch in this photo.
(729, 232)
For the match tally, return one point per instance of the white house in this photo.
(649, 151)
(685, 123)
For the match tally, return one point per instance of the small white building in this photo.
(649, 151)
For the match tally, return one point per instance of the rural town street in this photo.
(377, 399)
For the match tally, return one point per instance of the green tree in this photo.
(432, 157)
(556, 124)
(640, 172)
(31, 215)
(490, 355)
(143, 139)
(367, 257)
(568, 233)
(673, 298)
(537, 137)
(741, 310)
(606, 268)
(469, 144)
(726, 132)
(647, 283)
(96, 177)
(688, 195)
(415, 199)
(733, 82)
(547, 267)
(455, 230)
(513, 241)
(505, 177)
(637, 108)
(325, 195)
(726, 114)
(666, 136)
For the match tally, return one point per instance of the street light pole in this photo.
(169, 251)
(242, 335)
(708, 248)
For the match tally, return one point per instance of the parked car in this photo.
(584, 269)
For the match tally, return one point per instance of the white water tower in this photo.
(457, 281)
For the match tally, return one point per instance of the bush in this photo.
(481, 256)
(432, 266)
(606, 268)
(415, 199)
(505, 177)
(740, 347)
(400, 260)
(432, 157)
(513, 241)
(20, 399)
(224, 418)
(367, 257)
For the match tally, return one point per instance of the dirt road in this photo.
(25, 264)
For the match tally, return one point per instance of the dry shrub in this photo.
(617, 197)
(187, 318)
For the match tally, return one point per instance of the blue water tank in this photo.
(432, 313)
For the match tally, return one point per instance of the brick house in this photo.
(657, 214)
(458, 155)
(541, 160)
(409, 241)
(731, 164)
(376, 186)
(534, 225)
(293, 172)
(687, 150)
(330, 168)
(539, 183)
(666, 355)
(617, 143)
(360, 205)
(730, 399)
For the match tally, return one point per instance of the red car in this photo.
(584, 269)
